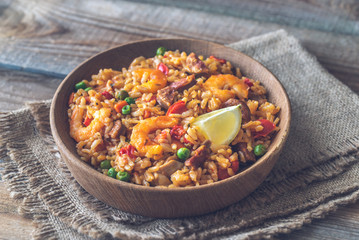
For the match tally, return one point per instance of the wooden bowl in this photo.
(167, 202)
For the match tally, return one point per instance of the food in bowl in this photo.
(173, 120)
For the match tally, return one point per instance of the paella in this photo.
(176, 119)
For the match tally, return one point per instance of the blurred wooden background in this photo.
(41, 41)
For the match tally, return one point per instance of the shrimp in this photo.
(140, 140)
(81, 133)
(226, 86)
(156, 80)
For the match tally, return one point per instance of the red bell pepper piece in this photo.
(107, 95)
(221, 60)
(268, 127)
(87, 121)
(163, 68)
(248, 82)
(178, 107)
(223, 173)
(177, 132)
(129, 150)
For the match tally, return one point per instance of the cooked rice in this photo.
(100, 145)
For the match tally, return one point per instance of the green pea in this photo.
(126, 110)
(123, 176)
(259, 150)
(80, 85)
(105, 164)
(122, 94)
(130, 100)
(112, 172)
(160, 51)
(88, 89)
(183, 153)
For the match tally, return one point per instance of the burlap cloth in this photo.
(317, 171)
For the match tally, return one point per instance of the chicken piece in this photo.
(170, 167)
(161, 180)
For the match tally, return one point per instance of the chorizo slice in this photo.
(246, 113)
(183, 83)
(200, 155)
(249, 157)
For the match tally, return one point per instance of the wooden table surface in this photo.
(41, 41)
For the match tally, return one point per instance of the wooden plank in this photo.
(17, 87)
(53, 37)
(12, 224)
(334, 16)
(333, 226)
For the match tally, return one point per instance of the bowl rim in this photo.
(131, 186)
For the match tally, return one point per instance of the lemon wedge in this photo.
(220, 126)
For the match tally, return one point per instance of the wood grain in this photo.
(17, 87)
(12, 224)
(55, 36)
(329, 16)
(342, 224)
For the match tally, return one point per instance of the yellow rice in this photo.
(145, 170)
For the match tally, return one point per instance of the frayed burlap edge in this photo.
(42, 194)
(298, 220)
(18, 184)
